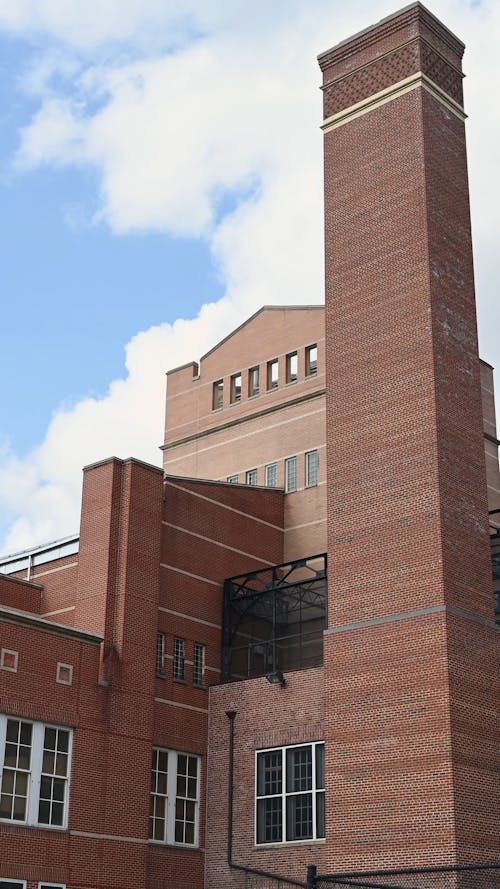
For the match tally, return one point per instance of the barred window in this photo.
(290, 802)
(175, 795)
(35, 767)
(291, 474)
(311, 468)
(199, 664)
(179, 658)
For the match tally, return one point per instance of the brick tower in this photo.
(410, 650)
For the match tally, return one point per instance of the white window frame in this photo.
(236, 388)
(5, 880)
(179, 659)
(44, 885)
(290, 485)
(249, 475)
(171, 797)
(314, 791)
(233, 479)
(199, 664)
(160, 653)
(311, 468)
(35, 774)
(271, 467)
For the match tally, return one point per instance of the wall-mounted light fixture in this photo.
(276, 678)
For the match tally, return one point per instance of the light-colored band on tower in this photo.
(388, 95)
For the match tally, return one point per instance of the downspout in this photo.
(231, 715)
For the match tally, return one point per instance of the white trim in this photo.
(189, 574)
(197, 620)
(60, 667)
(59, 611)
(224, 505)
(107, 836)
(182, 706)
(2, 660)
(44, 885)
(229, 442)
(171, 796)
(215, 542)
(34, 772)
(408, 84)
(35, 573)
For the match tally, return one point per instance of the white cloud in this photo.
(171, 133)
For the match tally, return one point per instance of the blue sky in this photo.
(160, 179)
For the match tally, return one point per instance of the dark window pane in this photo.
(193, 767)
(13, 729)
(48, 763)
(58, 790)
(24, 758)
(11, 755)
(298, 769)
(57, 814)
(44, 812)
(320, 766)
(269, 820)
(63, 742)
(8, 781)
(179, 832)
(46, 788)
(50, 739)
(61, 764)
(320, 815)
(19, 813)
(299, 817)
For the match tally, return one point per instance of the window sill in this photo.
(319, 842)
(179, 681)
(7, 822)
(182, 846)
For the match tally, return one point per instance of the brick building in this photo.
(281, 649)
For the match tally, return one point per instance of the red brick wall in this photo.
(407, 509)
(267, 716)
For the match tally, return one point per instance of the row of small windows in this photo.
(21, 884)
(272, 377)
(179, 660)
(271, 473)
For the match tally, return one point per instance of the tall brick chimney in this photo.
(411, 703)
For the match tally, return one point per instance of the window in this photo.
(51, 886)
(272, 374)
(290, 800)
(235, 388)
(179, 659)
(218, 395)
(311, 360)
(291, 367)
(233, 479)
(311, 468)
(160, 654)
(35, 772)
(174, 798)
(199, 664)
(291, 474)
(271, 475)
(253, 381)
(251, 477)
(12, 884)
